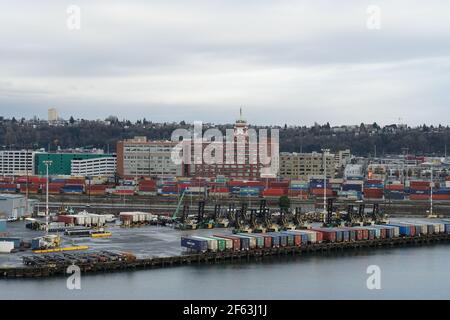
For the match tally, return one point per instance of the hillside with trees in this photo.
(362, 140)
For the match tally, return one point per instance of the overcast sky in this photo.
(295, 62)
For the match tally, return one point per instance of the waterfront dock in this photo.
(59, 269)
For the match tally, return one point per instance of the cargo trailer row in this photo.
(129, 219)
(249, 241)
(292, 238)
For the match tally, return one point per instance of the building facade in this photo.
(62, 162)
(306, 165)
(53, 115)
(241, 158)
(139, 157)
(95, 167)
(16, 163)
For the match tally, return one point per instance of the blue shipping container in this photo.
(35, 244)
(2, 225)
(194, 244)
(17, 241)
(245, 242)
(404, 230)
(352, 187)
(282, 238)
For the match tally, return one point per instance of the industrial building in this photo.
(62, 162)
(16, 163)
(15, 206)
(306, 165)
(246, 160)
(139, 157)
(95, 167)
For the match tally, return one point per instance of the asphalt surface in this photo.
(145, 241)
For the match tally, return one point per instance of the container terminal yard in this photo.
(102, 224)
(46, 246)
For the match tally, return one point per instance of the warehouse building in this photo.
(15, 206)
(306, 165)
(244, 154)
(62, 162)
(16, 162)
(95, 167)
(139, 157)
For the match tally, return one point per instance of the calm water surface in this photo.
(409, 273)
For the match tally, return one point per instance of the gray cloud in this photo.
(285, 61)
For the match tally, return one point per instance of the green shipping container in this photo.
(221, 243)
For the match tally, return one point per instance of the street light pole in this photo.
(325, 152)
(431, 193)
(47, 164)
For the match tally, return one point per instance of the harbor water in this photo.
(405, 273)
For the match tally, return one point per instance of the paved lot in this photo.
(147, 241)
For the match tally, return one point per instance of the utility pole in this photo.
(47, 164)
(431, 215)
(325, 152)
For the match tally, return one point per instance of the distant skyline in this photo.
(288, 61)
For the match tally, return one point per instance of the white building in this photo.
(353, 171)
(103, 167)
(141, 157)
(16, 163)
(342, 157)
(52, 115)
(14, 206)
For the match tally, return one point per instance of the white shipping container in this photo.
(377, 231)
(6, 246)
(212, 243)
(80, 220)
(94, 219)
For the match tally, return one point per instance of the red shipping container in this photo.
(96, 187)
(297, 240)
(358, 234)
(147, 183)
(8, 186)
(267, 241)
(396, 187)
(417, 197)
(327, 235)
(441, 196)
(374, 181)
(414, 184)
(66, 219)
(320, 192)
(124, 192)
(362, 234)
(274, 192)
(97, 192)
(279, 184)
(219, 190)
